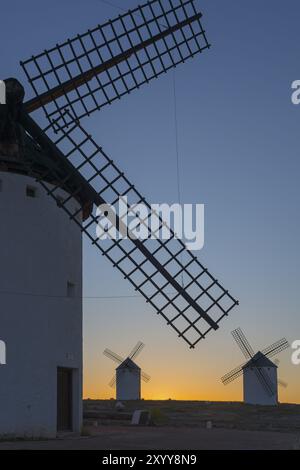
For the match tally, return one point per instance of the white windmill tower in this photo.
(41, 291)
(260, 381)
(127, 379)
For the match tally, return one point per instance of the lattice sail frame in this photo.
(201, 289)
(136, 350)
(155, 37)
(117, 46)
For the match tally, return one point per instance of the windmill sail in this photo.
(113, 356)
(82, 75)
(136, 350)
(265, 381)
(153, 266)
(233, 374)
(276, 347)
(243, 343)
(100, 66)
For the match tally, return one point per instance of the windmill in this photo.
(43, 141)
(84, 74)
(259, 373)
(127, 379)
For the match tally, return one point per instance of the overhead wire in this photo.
(178, 180)
(177, 154)
(84, 297)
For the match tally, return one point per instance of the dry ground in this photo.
(180, 425)
(282, 418)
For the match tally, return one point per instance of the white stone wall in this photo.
(40, 252)
(128, 384)
(254, 391)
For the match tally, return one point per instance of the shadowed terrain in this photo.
(282, 418)
(184, 425)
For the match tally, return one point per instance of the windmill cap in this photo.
(128, 364)
(259, 360)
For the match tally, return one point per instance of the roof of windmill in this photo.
(259, 360)
(128, 364)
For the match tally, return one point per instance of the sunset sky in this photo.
(239, 155)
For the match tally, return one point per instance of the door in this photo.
(64, 399)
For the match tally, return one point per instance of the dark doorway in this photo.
(64, 399)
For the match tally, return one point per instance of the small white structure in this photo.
(255, 393)
(128, 381)
(127, 378)
(40, 311)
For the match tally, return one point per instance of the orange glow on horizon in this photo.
(163, 392)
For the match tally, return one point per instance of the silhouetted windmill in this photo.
(84, 74)
(259, 373)
(128, 375)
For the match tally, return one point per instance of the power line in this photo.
(176, 137)
(112, 5)
(117, 7)
(177, 153)
(175, 125)
(85, 297)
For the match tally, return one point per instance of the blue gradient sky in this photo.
(238, 143)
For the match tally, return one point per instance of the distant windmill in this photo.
(260, 381)
(128, 375)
